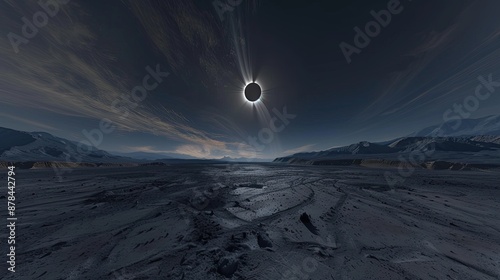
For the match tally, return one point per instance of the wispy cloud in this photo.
(301, 149)
(189, 39)
(407, 91)
(30, 122)
(64, 72)
(433, 44)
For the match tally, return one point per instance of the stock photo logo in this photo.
(47, 10)
(372, 29)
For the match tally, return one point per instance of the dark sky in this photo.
(88, 56)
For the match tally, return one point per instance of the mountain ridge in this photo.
(476, 141)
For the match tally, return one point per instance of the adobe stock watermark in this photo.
(50, 8)
(122, 106)
(472, 102)
(223, 6)
(266, 135)
(362, 38)
(452, 116)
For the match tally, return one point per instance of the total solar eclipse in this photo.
(253, 92)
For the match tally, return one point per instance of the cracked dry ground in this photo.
(256, 221)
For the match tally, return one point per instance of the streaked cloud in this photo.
(189, 39)
(406, 92)
(63, 71)
(31, 122)
(301, 149)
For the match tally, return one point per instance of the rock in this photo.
(227, 266)
(264, 241)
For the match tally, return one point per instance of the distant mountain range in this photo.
(18, 146)
(470, 141)
(242, 159)
(166, 157)
(151, 156)
(42, 149)
(474, 141)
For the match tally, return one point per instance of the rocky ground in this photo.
(255, 221)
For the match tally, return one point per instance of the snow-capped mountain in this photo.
(466, 144)
(445, 144)
(19, 146)
(479, 138)
(487, 138)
